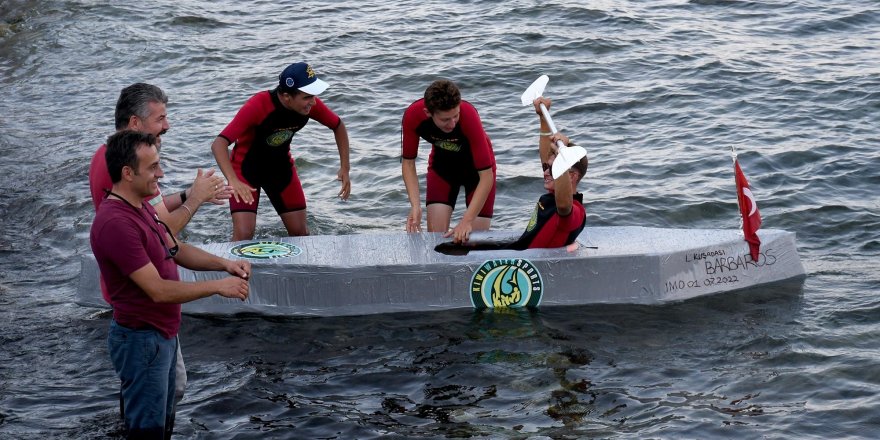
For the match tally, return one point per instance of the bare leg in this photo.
(295, 222)
(243, 225)
(438, 217)
(482, 224)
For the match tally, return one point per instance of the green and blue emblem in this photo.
(506, 283)
(264, 250)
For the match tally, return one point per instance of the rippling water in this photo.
(658, 91)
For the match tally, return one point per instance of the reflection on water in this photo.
(553, 370)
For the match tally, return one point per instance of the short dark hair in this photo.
(122, 151)
(581, 167)
(134, 100)
(442, 95)
(292, 92)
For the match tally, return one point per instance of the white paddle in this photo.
(565, 156)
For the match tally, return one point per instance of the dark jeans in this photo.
(145, 363)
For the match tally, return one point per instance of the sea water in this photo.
(659, 92)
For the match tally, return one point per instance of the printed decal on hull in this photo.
(510, 282)
(264, 250)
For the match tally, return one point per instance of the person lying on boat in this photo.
(559, 216)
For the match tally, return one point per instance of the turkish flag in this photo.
(749, 210)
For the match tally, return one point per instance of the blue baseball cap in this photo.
(300, 76)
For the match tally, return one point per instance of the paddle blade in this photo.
(566, 158)
(535, 90)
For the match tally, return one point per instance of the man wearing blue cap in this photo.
(260, 159)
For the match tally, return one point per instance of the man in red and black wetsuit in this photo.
(559, 215)
(262, 132)
(461, 155)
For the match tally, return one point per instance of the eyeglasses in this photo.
(172, 251)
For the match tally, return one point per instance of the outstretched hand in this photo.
(345, 191)
(414, 220)
(234, 287)
(241, 191)
(223, 193)
(206, 186)
(239, 268)
(461, 233)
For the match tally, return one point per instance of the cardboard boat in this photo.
(399, 272)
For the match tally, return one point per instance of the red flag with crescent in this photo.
(749, 210)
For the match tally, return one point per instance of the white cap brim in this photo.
(315, 88)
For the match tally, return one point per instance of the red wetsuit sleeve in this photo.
(557, 230)
(99, 177)
(572, 221)
(409, 139)
(250, 115)
(321, 113)
(472, 127)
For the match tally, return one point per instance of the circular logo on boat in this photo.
(265, 250)
(506, 283)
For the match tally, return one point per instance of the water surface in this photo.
(657, 91)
